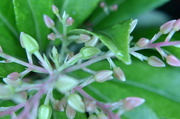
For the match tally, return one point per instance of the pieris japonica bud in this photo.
(119, 74)
(167, 27)
(70, 112)
(176, 26)
(45, 112)
(65, 83)
(155, 61)
(48, 21)
(69, 21)
(103, 75)
(172, 60)
(55, 9)
(88, 52)
(29, 43)
(143, 42)
(6, 91)
(76, 102)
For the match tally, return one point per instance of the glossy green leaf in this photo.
(116, 39)
(29, 18)
(9, 38)
(158, 86)
(79, 10)
(127, 9)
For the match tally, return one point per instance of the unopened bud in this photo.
(65, 83)
(89, 51)
(92, 116)
(91, 106)
(69, 21)
(14, 76)
(6, 91)
(103, 75)
(29, 43)
(176, 26)
(76, 102)
(102, 4)
(1, 50)
(133, 25)
(119, 74)
(58, 106)
(48, 21)
(155, 61)
(132, 102)
(45, 112)
(70, 112)
(83, 38)
(173, 61)
(55, 9)
(143, 42)
(167, 27)
(14, 83)
(51, 36)
(114, 7)
(102, 116)
(92, 42)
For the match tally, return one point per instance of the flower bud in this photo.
(88, 52)
(103, 75)
(1, 50)
(48, 21)
(176, 26)
(69, 21)
(167, 27)
(93, 116)
(75, 101)
(173, 61)
(92, 42)
(14, 83)
(58, 106)
(102, 4)
(90, 106)
(65, 83)
(45, 112)
(29, 43)
(114, 7)
(132, 102)
(102, 116)
(6, 91)
(133, 25)
(155, 61)
(70, 112)
(119, 74)
(83, 38)
(143, 42)
(55, 9)
(51, 36)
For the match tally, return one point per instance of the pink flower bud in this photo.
(103, 75)
(1, 50)
(119, 74)
(69, 21)
(155, 61)
(173, 61)
(51, 36)
(114, 7)
(176, 26)
(102, 4)
(143, 42)
(57, 105)
(132, 102)
(70, 112)
(84, 38)
(167, 27)
(48, 21)
(91, 106)
(13, 76)
(55, 9)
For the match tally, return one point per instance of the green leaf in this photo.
(158, 86)
(127, 9)
(116, 39)
(29, 17)
(9, 37)
(79, 10)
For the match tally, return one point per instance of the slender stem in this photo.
(31, 66)
(100, 105)
(89, 62)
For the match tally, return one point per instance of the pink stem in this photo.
(100, 105)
